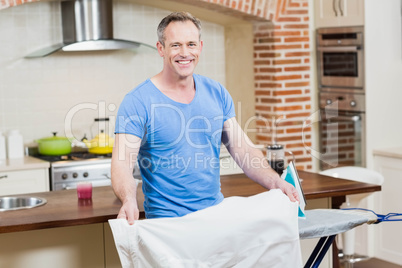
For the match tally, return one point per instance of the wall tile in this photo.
(38, 95)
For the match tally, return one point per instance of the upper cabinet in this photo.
(334, 13)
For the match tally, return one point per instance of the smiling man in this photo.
(173, 124)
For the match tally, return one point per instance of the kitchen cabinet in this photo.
(82, 246)
(387, 235)
(335, 13)
(24, 181)
(227, 164)
(112, 259)
(66, 247)
(24, 175)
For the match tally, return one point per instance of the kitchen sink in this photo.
(13, 203)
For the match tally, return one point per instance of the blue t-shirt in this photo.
(179, 153)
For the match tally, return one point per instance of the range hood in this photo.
(87, 26)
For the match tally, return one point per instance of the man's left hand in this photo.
(289, 190)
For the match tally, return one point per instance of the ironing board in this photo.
(326, 224)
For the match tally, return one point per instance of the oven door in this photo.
(340, 66)
(342, 139)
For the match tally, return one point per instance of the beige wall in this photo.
(240, 73)
(383, 62)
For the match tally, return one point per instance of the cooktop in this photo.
(72, 156)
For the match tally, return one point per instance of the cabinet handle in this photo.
(346, 118)
(334, 8)
(340, 7)
(339, 49)
(3, 177)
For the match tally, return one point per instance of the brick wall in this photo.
(282, 79)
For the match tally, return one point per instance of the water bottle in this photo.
(276, 157)
(15, 145)
(2, 147)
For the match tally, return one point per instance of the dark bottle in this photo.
(276, 157)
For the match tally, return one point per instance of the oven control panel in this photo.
(66, 174)
(82, 173)
(342, 101)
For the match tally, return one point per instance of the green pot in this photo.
(54, 145)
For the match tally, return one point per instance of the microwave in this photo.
(340, 58)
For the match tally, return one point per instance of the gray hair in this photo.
(173, 17)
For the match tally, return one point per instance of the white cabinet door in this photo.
(228, 165)
(326, 13)
(24, 181)
(335, 13)
(388, 235)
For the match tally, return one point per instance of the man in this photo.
(174, 123)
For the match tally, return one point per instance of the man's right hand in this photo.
(129, 211)
(124, 157)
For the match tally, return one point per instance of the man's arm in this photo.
(124, 157)
(252, 160)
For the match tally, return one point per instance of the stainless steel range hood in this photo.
(87, 26)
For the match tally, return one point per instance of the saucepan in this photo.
(54, 145)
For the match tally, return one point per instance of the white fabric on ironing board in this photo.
(256, 231)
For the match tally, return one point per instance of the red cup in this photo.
(84, 190)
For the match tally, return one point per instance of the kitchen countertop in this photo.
(64, 209)
(395, 152)
(27, 162)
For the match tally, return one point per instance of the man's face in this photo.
(182, 49)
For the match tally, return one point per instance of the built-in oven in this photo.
(340, 73)
(342, 130)
(340, 58)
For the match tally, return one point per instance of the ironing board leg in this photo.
(319, 251)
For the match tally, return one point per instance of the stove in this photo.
(77, 156)
(66, 171)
